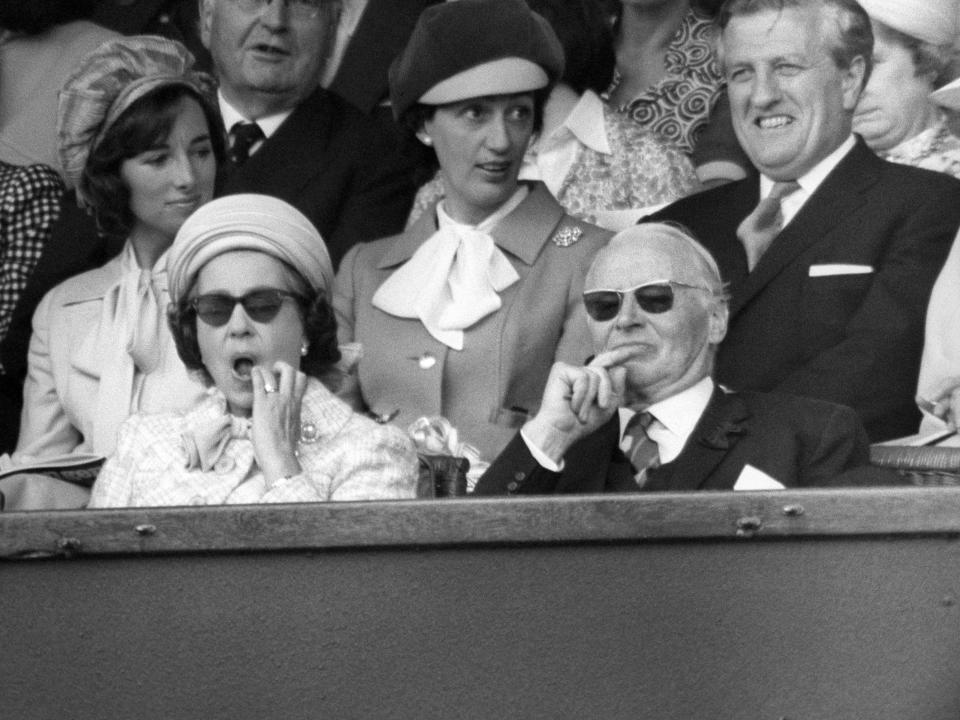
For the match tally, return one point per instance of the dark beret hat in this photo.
(503, 41)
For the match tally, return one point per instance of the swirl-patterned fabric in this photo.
(678, 106)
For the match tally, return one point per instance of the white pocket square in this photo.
(752, 478)
(840, 269)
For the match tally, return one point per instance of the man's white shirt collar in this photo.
(231, 116)
(675, 418)
(809, 181)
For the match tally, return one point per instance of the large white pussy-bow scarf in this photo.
(454, 279)
(127, 340)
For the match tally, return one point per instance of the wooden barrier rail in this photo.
(791, 604)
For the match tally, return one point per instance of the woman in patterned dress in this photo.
(668, 80)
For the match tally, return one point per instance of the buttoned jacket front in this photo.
(488, 389)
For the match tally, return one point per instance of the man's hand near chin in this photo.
(576, 401)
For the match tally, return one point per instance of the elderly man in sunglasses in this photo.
(644, 413)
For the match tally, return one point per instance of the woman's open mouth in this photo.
(242, 367)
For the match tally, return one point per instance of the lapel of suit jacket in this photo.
(403, 246)
(525, 231)
(841, 193)
(290, 157)
(86, 352)
(720, 428)
(94, 284)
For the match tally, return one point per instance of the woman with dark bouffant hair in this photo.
(140, 140)
(249, 277)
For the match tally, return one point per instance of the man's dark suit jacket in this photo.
(335, 165)
(798, 441)
(854, 339)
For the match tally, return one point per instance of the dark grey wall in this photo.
(798, 628)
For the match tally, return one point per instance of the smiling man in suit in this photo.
(830, 252)
(644, 414)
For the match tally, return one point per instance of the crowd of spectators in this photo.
(247, 246)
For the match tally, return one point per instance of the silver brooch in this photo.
(567, 236)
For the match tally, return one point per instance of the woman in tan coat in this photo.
(463, 314)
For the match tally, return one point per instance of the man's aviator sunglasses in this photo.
(261, 306)
(653, 297)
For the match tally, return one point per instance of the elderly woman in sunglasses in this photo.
(249, 277)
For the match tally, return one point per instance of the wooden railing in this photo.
(793, 604)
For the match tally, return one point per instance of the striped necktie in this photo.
(643, 452)
(760, 227)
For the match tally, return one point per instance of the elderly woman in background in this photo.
(599, 164)
(464, 313)
(913, 48)
(139, 137)
(903, 121)
(249, 277)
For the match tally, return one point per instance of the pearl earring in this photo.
(304, 348)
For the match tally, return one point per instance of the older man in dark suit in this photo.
(645, 413)
(289, 137)
(831, 253)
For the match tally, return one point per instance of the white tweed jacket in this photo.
(346, 457)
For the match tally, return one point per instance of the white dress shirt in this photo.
(674, 421)
(269, 123)
(808, 182)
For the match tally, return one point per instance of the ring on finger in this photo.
(269, 389)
